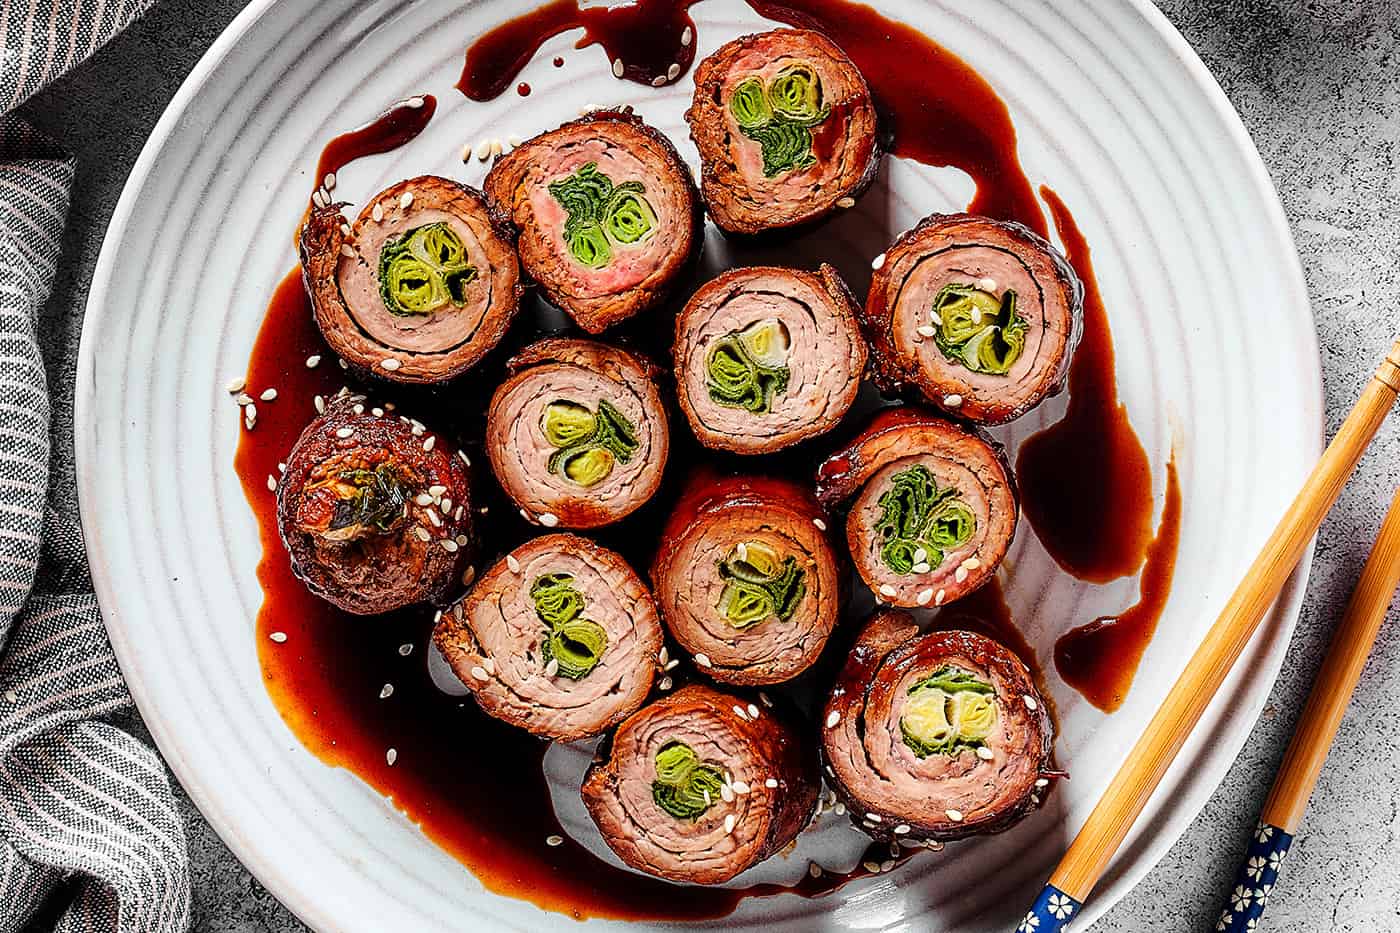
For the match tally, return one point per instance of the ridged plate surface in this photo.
(1215, 350)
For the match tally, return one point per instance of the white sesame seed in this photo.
(406, 200)
(954, 815)
(952, 400)
(317, 198)
(1031, 704)
(344, 432)
(617, 67)
(726, 794)
(925, 330)
(513, 141)
(877, 262)
(887, 590)
(665, 683)
(281, 468)
(554, 840)
(987, 285)
(753, 711)
(386, 691)
(244, 399)
(873, 867)
(422, 499)
(729, 823)
(512, 563)
(377, 213)
(1042, 782)
(814, 870)
(347, 251)
(765, 699)
(687, 36)
(741, 787)
(887, 865)
(921, 567)
(673, 72)
(833, 718)
(703, 660)
(771, 783)
(939, 597)
(449, 545)
(268, 395)
(278, 637)
(658, 81)
(480, 673)
(920, 555)
(741, 550)
(422, 533)
(313, 361)
(463, 455)
(320, 404)
(496, 147)
(739, 711)
(391, 756)
(433, 517)
(933, 845)
(359, 409)
(467, 152)
(250, 420)
(874, 817)
(924, 597)
(236, 385)
(663, 655)
(839, 809)
(821, 525)
(549, 519)
(960, 575)
(901, 829)
(552, 667)
(390, 364)
(975, 313)
(429, 441)
(468, 576)
(329, 181)
(461, 540)
(846, 202)
(985, 753)
(489, 664)
(937, 321)
(671, 664)
(271, 482)
(483, 149)
(405, 649)
(706, 792)
(414, 102)
(436, 489)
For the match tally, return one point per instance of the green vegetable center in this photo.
(684, 787)
(977, 329)
(587, 443)
(748, 368)
(779, 117)
(575, 642)
(424, 270)
(367, 501)
(948, 711)
(602, 215)
(919, 522)
(759, 585)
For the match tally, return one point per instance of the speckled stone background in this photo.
(1318, 85)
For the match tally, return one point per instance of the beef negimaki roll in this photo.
(561, 638)
(607, 214)
(577, 434)
(766, 357)
(374, 510)
(747, 579)
(934, 507)
(786, 131)
(419, 288)
(937, 736)
(981, 316)
(701, 785)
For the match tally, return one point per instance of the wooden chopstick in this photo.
(1088, 856)
(1302, 763)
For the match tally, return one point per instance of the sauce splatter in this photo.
(393, 128)
(523, 89)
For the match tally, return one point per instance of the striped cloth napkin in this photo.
(86, 811)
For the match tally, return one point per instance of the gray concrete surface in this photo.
(1316, 83)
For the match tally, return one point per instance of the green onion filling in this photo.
(368, 502)
(573, 641)
(759, 585)
(748, 368)
(602, 215)
(684, 787)
(978, 330)
(780, 117)
(424, 270)
(948, 711)
(919, 523)
(587, 443)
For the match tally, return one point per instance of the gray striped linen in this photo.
(86, 810)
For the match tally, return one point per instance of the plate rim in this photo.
(1287, 607)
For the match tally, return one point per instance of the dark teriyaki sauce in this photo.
(328, 678)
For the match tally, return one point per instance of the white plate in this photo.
(1210, 320)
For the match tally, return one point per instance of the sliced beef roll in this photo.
(786, 131)
(747, 579)
(701, 785)
(607, 214)
(934, 507)
(419, 288)
(937, 736)
(577, 434)
(374, 516)
(981, 316)
(561, 638)
(766, 357)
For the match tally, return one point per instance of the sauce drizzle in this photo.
(393, 128)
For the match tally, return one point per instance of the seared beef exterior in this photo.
(934, 737)
(607, 215)
(371, 519)
(747, 579)
(786, 131)
(577, 434)
(766, 357)
(934, 507)
(701, 785)
(420, 287)
(561, 638)
(980, 316)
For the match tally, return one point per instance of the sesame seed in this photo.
(901, 829)
(391, 756)
(874, 817)
(765, 699)
(329, 181)
(554, 840)
(821, 525)
(468, 576)
(933, 845)
(687, 36)
(512, 563)
(422, 533)
(878, 262)
(317, 199)
(359, 409)
(985, 753)
(249, 421)
(513, 141)
(726, 794)
(887, 865)
(236, 385)
(663, 655)
(954, 815)
(873, 867)
(377, 213)
(496, 147)
(278, 637)
(462, 454)
(703, 660)
(673, 72)
(729, 823)
(429, 441)
(281, 468)
(921, 567)
(405, 649)
(753, 711)
(814, 870)
(952, 400)
(771, 783)
(1042, 782)
(887, 590)
(975, 313)
(939, 597)
(933, 316)
(924, 597)
(741, 550)
(706, 792)
(549, 519)
(920, 555)
(437, 489)
(313, 361)
(422, 499)
(390, 364)
(839, 809)
(489, 664)
(846, 202)
(347, 251)
(320, 404)
(271, 482)
(658, 81)
(832, 718)
(344, 432)
(925, 330)
(449, 545)
(739, 711)
(617, 67)
(268, 395)
(987, 285)
(480, 673)
(483, 149)
(552, 667)
(740, 787)
(386, 691)
(244, 399)
(1031, 704)
(467, 152)
(433, 517)
(960, 575)
(665, 683)
(672, 664)
(406, 200)
(414, 102)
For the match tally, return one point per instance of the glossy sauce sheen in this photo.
(326, 679)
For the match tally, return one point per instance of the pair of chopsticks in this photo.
(1089, 854)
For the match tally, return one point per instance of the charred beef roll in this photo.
(747, 579)
(577, 434)
(934, 507)
(419, 288)
(937, 736)
(766, 357)
(786, 131)
(561, 638)
(701, 785)
(981, 316)
(607, 214)
(375, 511)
